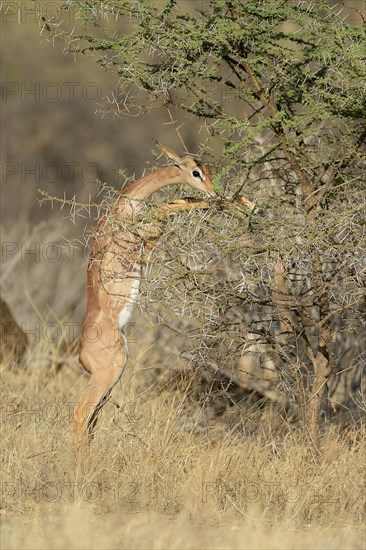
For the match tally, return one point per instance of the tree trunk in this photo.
(313, 405)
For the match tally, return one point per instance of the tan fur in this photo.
(13, 341)
(119, 250)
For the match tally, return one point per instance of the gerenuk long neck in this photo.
(146, 186)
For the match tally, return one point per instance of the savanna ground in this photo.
(164, 472)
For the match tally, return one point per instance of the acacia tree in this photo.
(279, 89)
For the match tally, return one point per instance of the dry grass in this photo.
(80, 528)
(152, 480)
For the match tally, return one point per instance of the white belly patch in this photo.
(126, 312)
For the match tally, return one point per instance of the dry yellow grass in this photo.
(152, 480)
(80, 528)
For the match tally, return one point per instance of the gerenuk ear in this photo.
(172, 155)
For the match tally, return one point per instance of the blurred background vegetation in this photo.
(58, 136)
